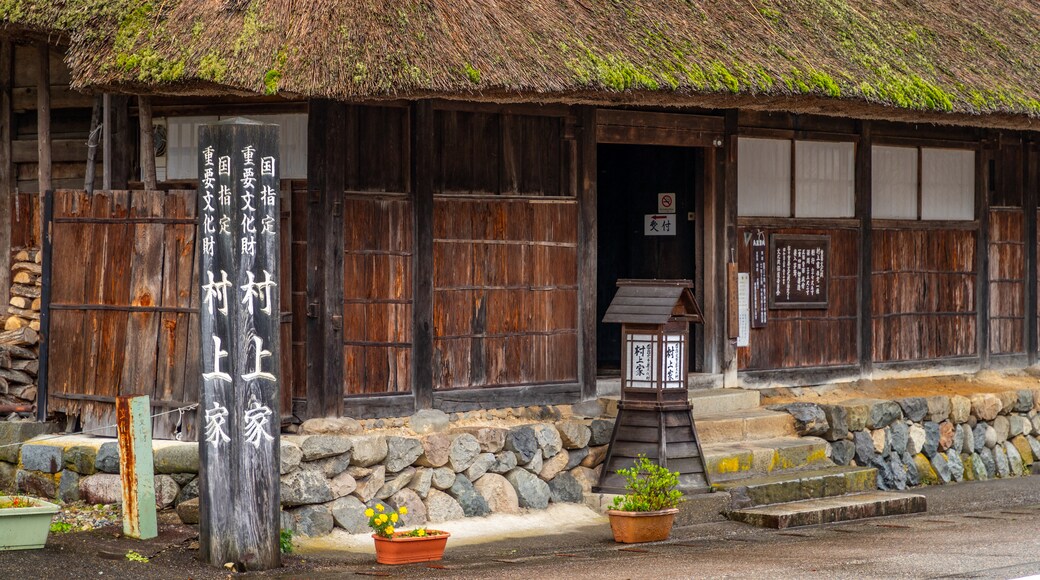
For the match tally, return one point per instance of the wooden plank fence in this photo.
(124, 307)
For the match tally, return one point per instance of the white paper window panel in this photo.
(183, 140)
(825, 179)
(763, 177)
(642, 368)
(893, 182)
(947, 184)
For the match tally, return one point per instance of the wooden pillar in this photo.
(7, 169)
(326, 167)
(865, 289)
(43, 118)
(423, 166)
(587, 253)
(93, 138)
(725, 251)
(144, 115)
(1029, 206)
(118, 145)
(106, 142)
(239, 340)
(982, 187)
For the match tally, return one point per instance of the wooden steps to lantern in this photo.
(664, 435)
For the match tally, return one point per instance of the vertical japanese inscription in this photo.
(239, 277)
(799, 271)
(759, 281)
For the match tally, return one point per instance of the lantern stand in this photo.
(654, 415)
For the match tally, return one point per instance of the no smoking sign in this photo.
(666, 203)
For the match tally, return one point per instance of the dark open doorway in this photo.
(632, 245)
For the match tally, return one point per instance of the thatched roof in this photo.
(965, 57)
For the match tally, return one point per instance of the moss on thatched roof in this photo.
(962, 56)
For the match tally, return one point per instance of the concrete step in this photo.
(743, 459)
(744, 425)
(833, 509)
(800, 485)
(709, 401)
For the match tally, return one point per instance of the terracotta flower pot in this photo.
(637, 527)
(406, 549)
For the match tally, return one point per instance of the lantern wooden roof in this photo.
(653, 302)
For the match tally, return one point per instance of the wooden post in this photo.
(106, 143)
(144, 115)
(136, 469)
(727, 243)
(864, 213)
(7, 169)
(422, 262)
(240, 351)
(43, 118)
(326, 158)
(92, 145)
(588, 254)
(982, 187)
(1030, 208)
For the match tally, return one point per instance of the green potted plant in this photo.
(24, 522)
(394, 547)
(647, 511)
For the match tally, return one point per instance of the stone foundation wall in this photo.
(929, 440)
(442, 468)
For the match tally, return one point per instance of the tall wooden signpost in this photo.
(239, 277)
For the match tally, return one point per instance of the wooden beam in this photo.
(326, 158)
(7, 168)
(423, 167)
(144, 116)
(982, 187)
(122, 142)
(92, 145)
(106, 142)
(864, 201)
(1031, 175)
(727, 219)
(587, 253)
(43, 117)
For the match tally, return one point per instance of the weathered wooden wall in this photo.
(924, 292)
(124, 303)
(505, 292)
(505, 308)
(811, 337)
(377, 294)
(1007, 277)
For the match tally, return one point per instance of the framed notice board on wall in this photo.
(798, 271)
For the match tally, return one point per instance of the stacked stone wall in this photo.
(442, 468)
(929, 440)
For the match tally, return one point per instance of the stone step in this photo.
(709, 401)
(801, 485)
(832, 509)
(743, 459)
(744, 425)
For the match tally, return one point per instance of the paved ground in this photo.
(973, 530)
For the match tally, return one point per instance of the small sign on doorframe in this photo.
(666, 203)
(659, 225)
(743, 309)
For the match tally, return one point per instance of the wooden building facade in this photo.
(459, 253)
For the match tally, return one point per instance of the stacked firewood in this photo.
(19, 341)
(26, 266)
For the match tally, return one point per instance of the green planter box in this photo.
(25, 528)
